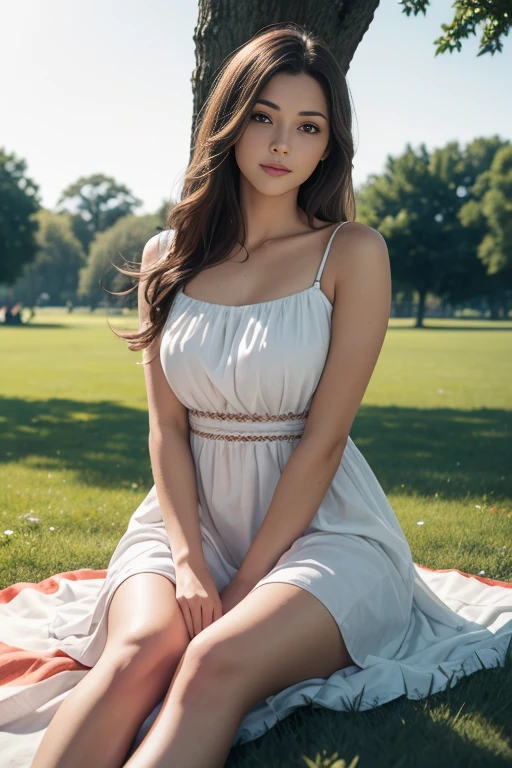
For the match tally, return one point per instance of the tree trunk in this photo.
(224, 25)
(421, 308)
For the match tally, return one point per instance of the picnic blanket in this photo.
(36, 674)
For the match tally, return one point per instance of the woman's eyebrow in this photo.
(274, 106)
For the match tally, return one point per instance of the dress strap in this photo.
(322, 263)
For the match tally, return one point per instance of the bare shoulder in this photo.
(358, 250)
(355, 241)
(152, 250)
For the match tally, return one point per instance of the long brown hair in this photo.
(207, 221)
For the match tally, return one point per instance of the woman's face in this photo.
(280, 134)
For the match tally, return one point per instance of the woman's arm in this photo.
(175, 481)
(169, 444)
(358, 328)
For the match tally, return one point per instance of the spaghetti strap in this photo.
(322, 263)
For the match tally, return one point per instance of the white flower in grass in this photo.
(52, 528)
(8, 533)
(420, 522)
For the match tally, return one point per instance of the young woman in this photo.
(266, 558)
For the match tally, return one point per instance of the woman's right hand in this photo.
(197, 597)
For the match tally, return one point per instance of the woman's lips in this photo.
(274, 171)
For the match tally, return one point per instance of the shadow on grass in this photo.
(103, 443)
(453, 452)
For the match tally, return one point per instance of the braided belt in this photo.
(247, 426)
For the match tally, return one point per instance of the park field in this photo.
(435, 425)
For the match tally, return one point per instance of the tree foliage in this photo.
(99, 201)
(19, 201)
(59, 257)
(491, 209)
(491, 17)
(417, 204)
(120, 244)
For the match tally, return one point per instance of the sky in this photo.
(105, 87)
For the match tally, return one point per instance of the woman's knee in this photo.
(146, 628)
(144, 650)
(207, 661)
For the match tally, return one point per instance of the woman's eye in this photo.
(258, 114)
(305, 125)
(317, 129)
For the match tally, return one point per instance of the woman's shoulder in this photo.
(155, 247)
(358, 229)
(359, 236)
(357, 246)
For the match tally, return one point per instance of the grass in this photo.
(435, 426)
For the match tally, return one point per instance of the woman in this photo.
(266, 558)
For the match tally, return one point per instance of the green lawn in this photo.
(435, 425)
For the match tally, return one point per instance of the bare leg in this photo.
(96, 723)
(279, 635)
(194, 728)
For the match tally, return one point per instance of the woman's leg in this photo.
(277, 636)
(146, 637)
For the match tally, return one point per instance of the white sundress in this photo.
(241, 373)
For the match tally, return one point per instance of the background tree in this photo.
(19, 201)
(416, 204)
(121, 243)
(55, 269)
(96, 202)
(464, 170)
(489, 215)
